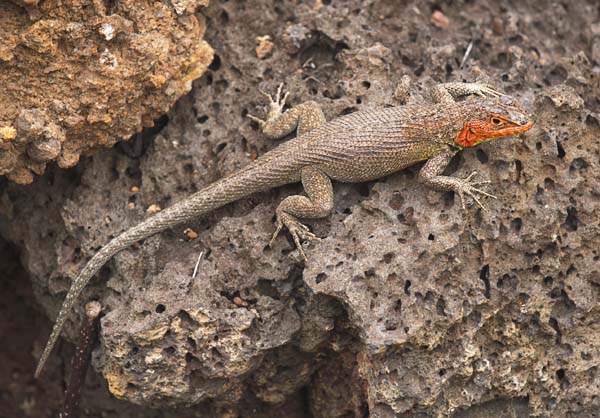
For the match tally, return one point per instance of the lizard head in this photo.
(495, 118)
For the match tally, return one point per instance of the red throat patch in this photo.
(464, 137)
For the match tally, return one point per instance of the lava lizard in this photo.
(361, 146)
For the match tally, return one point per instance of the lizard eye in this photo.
(496, 121)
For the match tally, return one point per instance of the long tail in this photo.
(220, 193)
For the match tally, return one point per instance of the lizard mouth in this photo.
(517, 129)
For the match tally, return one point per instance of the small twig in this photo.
(197, 264)
(315, 79)
(81, 360)
(308, 62)
(467, 52)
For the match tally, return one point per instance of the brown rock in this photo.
(440, 20)
(114, 74)
(265, 47)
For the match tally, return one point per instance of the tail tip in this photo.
(41, 363)
(38, 371)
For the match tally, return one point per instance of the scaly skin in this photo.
(361, 146)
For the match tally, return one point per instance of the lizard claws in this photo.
(298, 231)
(466, 187)
(472, 183)
(301, 233)
(258, 120)
(276, 105)
(275, 234)
(487, 90)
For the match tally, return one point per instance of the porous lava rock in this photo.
(410, 305)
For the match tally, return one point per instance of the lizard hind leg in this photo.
(301, 118)
(317, 204)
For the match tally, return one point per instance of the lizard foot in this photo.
(467, 187)
(484, 90)
(276, 104)
(298, 231)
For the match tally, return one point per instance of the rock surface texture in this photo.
(410, 306)
(77, 75)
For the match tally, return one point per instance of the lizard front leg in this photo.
(431, 175)
(301, 118)
(449, 92)
(317, 204)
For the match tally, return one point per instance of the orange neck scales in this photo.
(476, 132)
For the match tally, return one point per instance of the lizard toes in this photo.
(267, 95)
(307, 235)
(473, 190)
(301, 231)
(470, 191)
(296, 238)
(256, 119)
(479, 182)
(276, 233)
(461, 195)
(278, 94)
(478, 202)
(490, 91)
(303, 227)
(470, 176)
